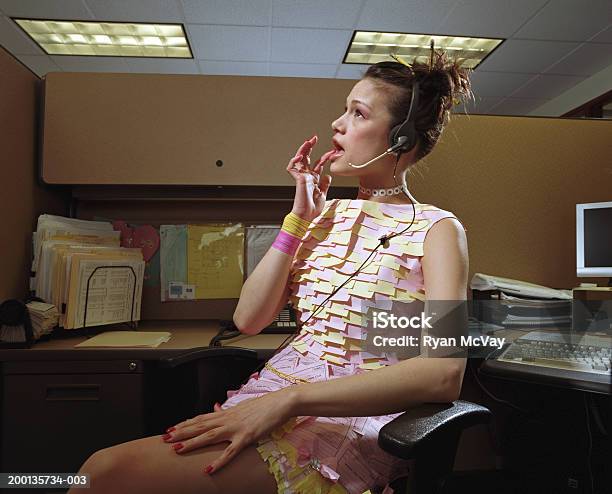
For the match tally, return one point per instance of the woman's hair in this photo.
(440, 86)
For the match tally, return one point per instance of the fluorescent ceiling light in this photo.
(368, 47)
(108, 39)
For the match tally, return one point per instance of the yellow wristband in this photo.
(294, 225)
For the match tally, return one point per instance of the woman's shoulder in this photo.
(435, 214)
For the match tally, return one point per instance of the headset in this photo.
(407, 128)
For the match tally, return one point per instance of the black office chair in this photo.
(428, 434)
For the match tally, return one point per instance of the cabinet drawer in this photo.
(53, 422)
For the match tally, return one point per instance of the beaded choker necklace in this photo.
(381, 192)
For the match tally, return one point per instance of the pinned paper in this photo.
(215, 260)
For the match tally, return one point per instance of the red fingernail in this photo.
(170, 429)
(165, 437)
(177, 446)
(208, 469)
(217, 404)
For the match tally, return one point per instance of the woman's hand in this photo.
(310, 188)
(240, 425)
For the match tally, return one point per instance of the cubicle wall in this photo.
(512, 181)
(22, 197)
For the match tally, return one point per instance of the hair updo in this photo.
(440, 86)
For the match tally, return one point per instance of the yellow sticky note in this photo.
(341, 238)
(320, 233)
(333, 359)
(372, 366)
(215, 260)
(353, 318)
(403, 295)
(362, 288)
(338, 310)
(385, 287)
(371, 268)
(334, 337)
(412, 249)
(373, 210)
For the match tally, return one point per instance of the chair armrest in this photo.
(418, 428)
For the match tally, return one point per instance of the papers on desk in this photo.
(520, 304)
(44, 317)
(126, 339)
(483, 282)
(80, 268)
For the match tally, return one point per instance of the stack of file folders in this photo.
(44, 318)
(516, 304)
(80, 268)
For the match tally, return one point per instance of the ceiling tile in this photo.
(40, 64)
(309, 45)
(480, 106)
(70, 63)
(58, 9)
(251, 13)
(587, 60)
(240, 43)
(136, 11)
(489, 18)
(516, 106)
(337, 14)
(568, 20)
(303, 70)
(15, 40)
(548, 86)
(212, 67)
(414, 16)
(497, 84)
(604, 36)
(163, 66)
(352, 71)
(526, 56)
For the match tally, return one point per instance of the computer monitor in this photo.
(594, 239)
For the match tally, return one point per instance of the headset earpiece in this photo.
(407, 127)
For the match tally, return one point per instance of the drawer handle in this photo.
(73, 392)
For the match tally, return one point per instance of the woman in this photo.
(309, 421)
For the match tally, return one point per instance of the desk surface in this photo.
(186, 335)
(534, 374)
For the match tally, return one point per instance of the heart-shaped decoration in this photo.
(147, 239)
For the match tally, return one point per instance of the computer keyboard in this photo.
(583, 353)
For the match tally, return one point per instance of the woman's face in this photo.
(362, 131)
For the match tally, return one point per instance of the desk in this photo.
(60, 403)
(532, 374)
(555, 439)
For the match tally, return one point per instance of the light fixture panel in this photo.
(107, 39)
(370, 47)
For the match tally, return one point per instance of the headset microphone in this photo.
(400, 142)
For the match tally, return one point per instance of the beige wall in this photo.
(514, 182)
(22, 198)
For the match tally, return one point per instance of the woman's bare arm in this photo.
(264, 293)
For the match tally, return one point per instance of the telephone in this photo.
(285, 322)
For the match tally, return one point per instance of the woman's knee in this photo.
(104, 464)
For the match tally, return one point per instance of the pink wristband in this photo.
(287, 243)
